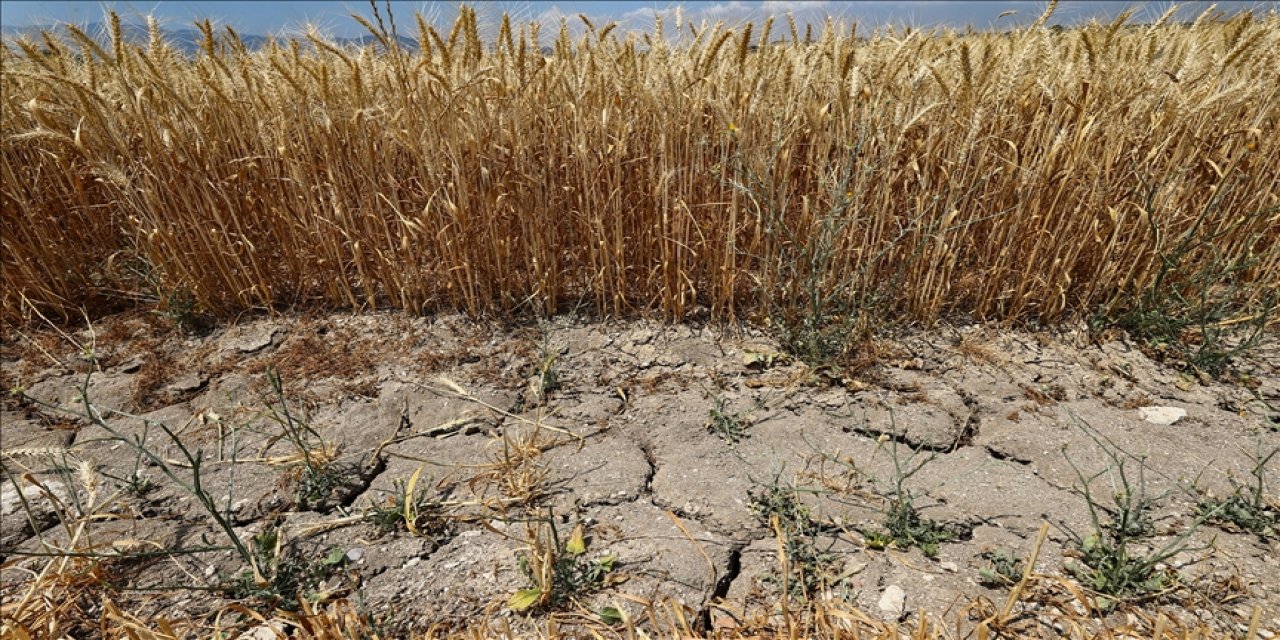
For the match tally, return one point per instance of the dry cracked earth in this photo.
(686, 454)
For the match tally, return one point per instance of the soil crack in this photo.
(971, 424)
(1005, 456)
(652, 461)
(733, 569)
(902, 439)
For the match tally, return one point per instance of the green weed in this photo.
(809, 559)
(731, 426)
(560, 570)
(1192, 312)
(548, 374)
(1247, 507)
(411, 508)
(1109, 561)
(280, 575)
(317, 477)
(903, 526)
(1003, 568)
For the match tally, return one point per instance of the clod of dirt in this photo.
(188, 383)
(19, 511)
(610, 470)
(249, 338)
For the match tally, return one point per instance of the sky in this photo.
(266, 17)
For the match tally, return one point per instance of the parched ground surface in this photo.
(662, 441)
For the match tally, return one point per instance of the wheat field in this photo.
(765, 170)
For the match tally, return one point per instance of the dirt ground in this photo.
(688, 455)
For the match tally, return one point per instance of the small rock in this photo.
(893, 601)
(646, 355)
(1162, 415)
(412, 562)
(356, 554)
(266, 631)
(950, 566)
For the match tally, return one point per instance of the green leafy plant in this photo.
(903, 525)
(186, 473)
(281, 575)
(411, 508)
(178, 306)
(877, 539)
(731, 426)
(548, 374)
(1109, 559)
(137, 482)
(809, 559)
(174, 302)
(272, 574)
(1247, 507)
(1193, 312)
(560, 570)
(316, 475)
(1003, 568)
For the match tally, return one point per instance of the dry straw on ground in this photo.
(1025, 175)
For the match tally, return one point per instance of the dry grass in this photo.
(71, 596)
(1029, 175)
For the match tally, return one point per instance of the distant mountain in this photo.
(186, 40)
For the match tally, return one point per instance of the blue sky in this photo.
(265, 17)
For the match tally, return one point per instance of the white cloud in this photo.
(551, 16)
(779, 7)
(732, 10)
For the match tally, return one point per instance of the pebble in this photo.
(267, 631)
(1162, 415)
(355, 555)
(950, 566)
(893, 600)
